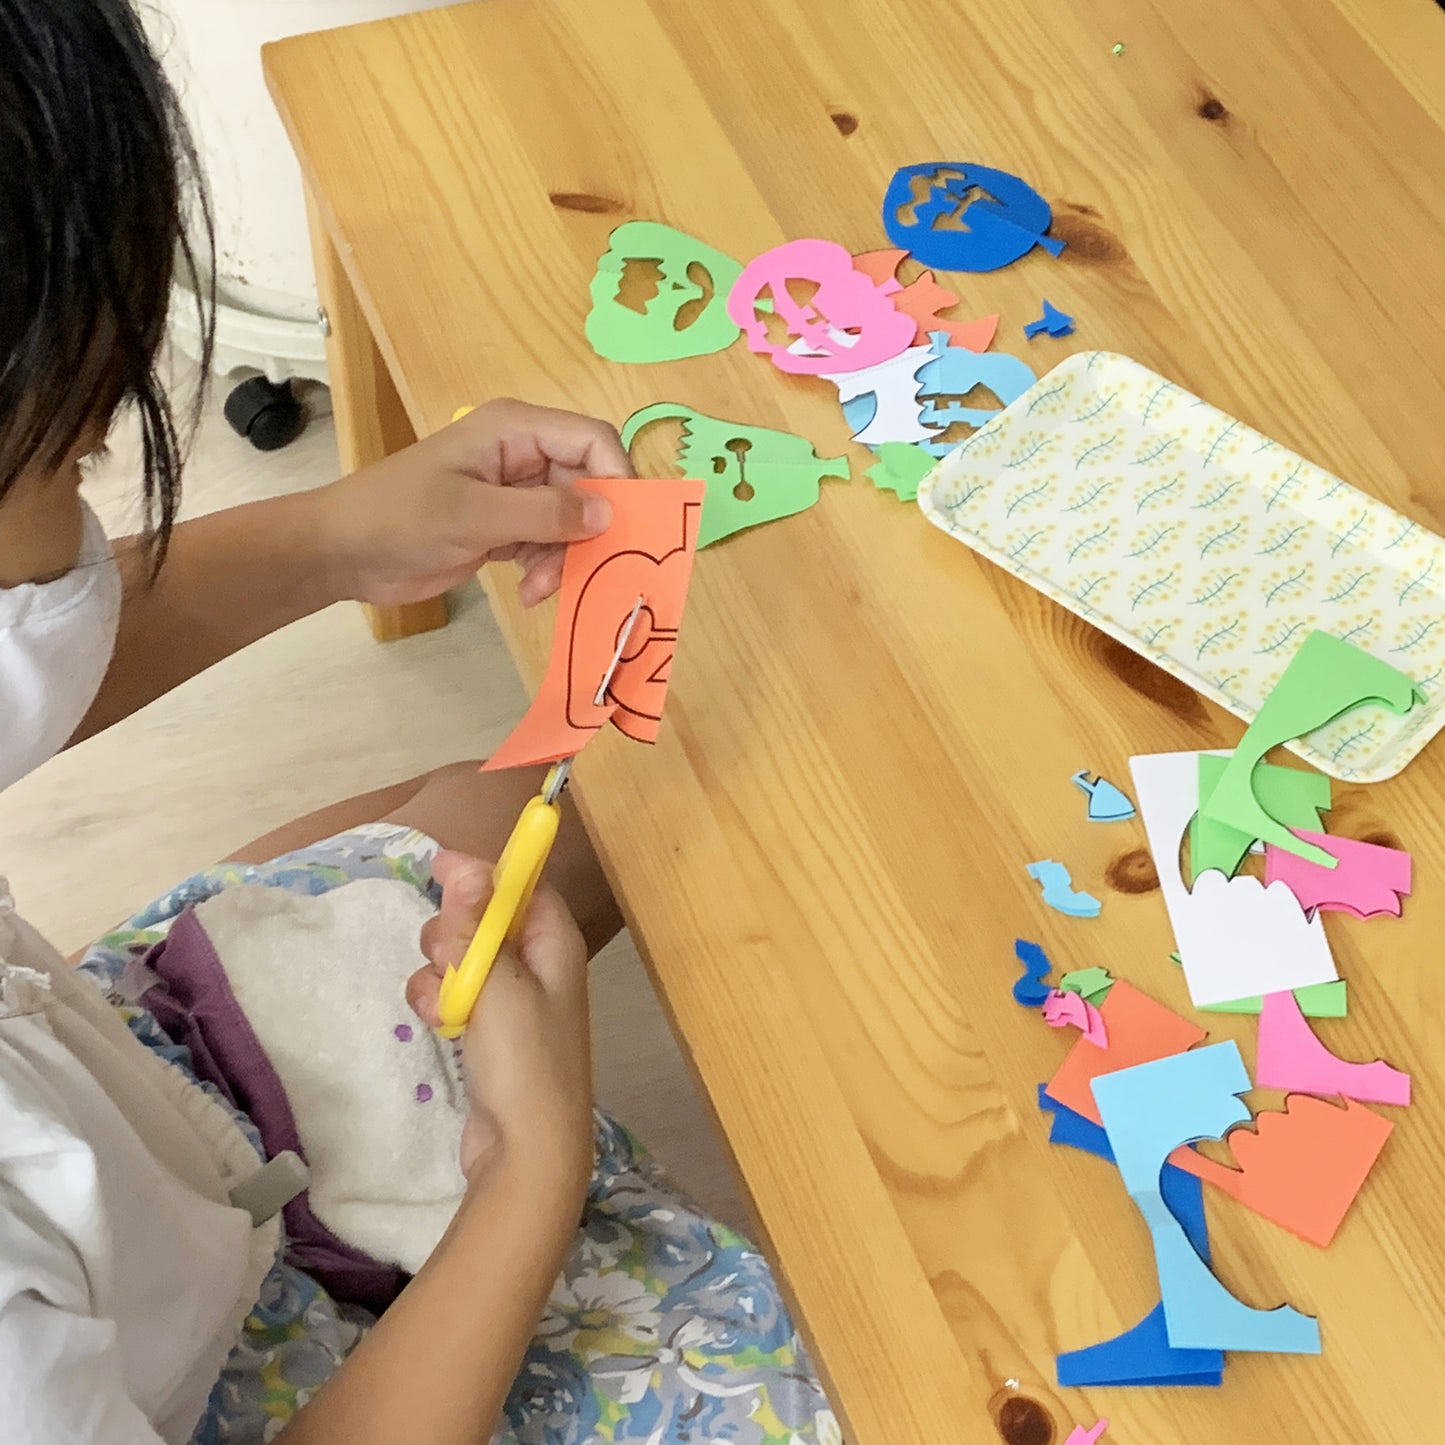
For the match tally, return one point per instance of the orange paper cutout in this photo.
(1301, 1168)
(647, 552)
(1139, 1031)
(923, 299)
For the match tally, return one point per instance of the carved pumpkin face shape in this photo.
(845, 322)
(660, 295)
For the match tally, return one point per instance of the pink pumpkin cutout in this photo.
(849, 322)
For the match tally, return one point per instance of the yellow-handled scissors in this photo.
(515, 878)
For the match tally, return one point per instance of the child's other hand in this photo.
(495, 486)
(527, 1050)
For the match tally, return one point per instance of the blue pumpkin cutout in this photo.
(967, 218)
(955, 371)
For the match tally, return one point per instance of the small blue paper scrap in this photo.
(1030, 990)
(1058, 890)
(1106, 803)
(1054, 321)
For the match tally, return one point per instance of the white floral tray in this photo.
(1201, 544)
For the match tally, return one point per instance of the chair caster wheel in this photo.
(265, 413)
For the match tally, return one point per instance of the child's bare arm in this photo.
(493, 486)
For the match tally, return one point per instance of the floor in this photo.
(315, 713)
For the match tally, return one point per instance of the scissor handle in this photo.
(513, 882)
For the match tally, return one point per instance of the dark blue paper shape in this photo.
(1007, 221)
(1142, 1355)
(1054, 321)
(1029, 990)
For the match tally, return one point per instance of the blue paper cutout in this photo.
(1141, 1355)
(967, 218)
(1183, 1193)
(1058, 890)
(1106, 803)
(955, 371)
(1054, 321)
(1030, 990)
(1148, 1112)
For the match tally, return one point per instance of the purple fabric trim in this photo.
(194, 1004)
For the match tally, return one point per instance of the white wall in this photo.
(212, 52)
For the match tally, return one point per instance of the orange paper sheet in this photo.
(1139, 1031)
(1301, 1168)
(647, 552)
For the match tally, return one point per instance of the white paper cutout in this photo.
(894, 387)
(1235, 937)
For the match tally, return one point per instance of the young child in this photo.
(138, 1302)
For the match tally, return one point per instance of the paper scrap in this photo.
(1063, 1009)
(1141, 1355)
(752, 473)
(1079, 1436)
(1180, 1188)
(1054, 321)
(1148, 1112)
(965, 217)
(1369, 879)
(646, 552)
(901, 468)
(687, 312)
(1093, 983)
(1291, 1057)
(924, 299)
(1325, 679)
(1139, 1029)
(1302, 1167)
(1106, 803)
(1030, 990)
(952, 374)
(848, 321)
(1058, 891)
(886, 397)
(1316, 1001)
(1290, 795)
(1236, 936)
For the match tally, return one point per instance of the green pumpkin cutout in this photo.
(753, 474)
(688, 314)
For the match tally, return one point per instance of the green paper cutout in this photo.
(619, 333)
(901, 467)
(1325, 679)
(753, 474)
(1092, 984)
(1316, 1000)
(1289, 795)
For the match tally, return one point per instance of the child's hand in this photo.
(527, 1049)
(495, 486)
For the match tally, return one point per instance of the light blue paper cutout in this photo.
(1058, 890)
(1148, 1111)
(955, 371)
(1106, 803)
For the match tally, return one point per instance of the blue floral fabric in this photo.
(665, 1326)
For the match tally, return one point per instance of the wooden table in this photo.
(871, 730)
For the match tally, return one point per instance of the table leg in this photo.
(371, 421)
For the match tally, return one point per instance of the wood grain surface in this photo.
(871, 730)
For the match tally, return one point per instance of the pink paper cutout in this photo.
(1291, 1057)
(1063, 1008)
(1369, 880)
(1080, 1436)
(847, 324)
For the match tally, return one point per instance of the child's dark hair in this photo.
(98, 182)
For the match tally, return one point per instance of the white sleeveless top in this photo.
(125, 1274)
